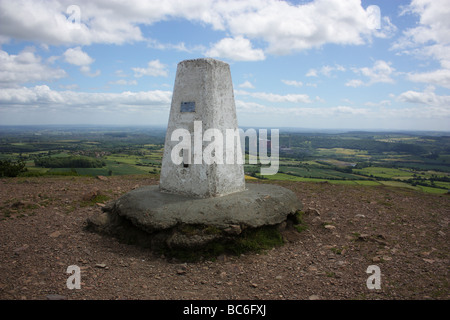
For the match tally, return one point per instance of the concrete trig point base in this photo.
(157, 220)
(196, 203)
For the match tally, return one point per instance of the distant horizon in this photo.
(293, 129)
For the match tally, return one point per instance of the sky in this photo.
(321, 64)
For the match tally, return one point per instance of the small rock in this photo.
(233, 229)
(181, 271)
(314, 297)
(363, 237)
(376, 259)
(100, 265)
(22, 248)
(360, 216)
(55, 234)
(278, 277)
(312, 211)
(102, 178)
(329, 227)
(312, 268)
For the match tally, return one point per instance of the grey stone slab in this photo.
(258, 205)
(151, 217)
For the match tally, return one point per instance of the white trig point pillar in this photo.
(202, 153)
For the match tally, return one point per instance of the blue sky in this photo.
(322, 64)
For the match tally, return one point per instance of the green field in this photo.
(392, 173)
(319, 173)
(417, 161)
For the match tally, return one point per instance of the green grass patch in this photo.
(255, 240)
(287, 177)
(432, 190)
(100, 198)
(389, 173)
(367, 183)
(298, 222)
(398, 184)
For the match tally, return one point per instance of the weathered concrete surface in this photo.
(156, 217)
(203, 92)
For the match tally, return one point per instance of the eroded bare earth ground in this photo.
(349, 228)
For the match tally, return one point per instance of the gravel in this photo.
(349, 228)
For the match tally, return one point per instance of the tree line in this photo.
(69, 162)
(11, 169)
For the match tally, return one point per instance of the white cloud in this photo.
(154, 69)
(86, 70)
(355, 83)
(439, 77)
(349, 110)
(25, 67)
(325, 70)
(247, 84)
(293, 83)
(37, 95)
(285, 27)
(434, 24)
(426, 98)
(236, 49)
(382, 103)
(319, 99)
(123, 82)
(312, 73)
(41, 105)
(256, 108)
(381, 72)
(386, 30)
(78, 57)
(69, 86)
(47, 22)
(430, 39)
(271, 97)
(373, 116)
(181, 46)
(44, 97)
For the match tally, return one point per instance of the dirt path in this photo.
(403, 232)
